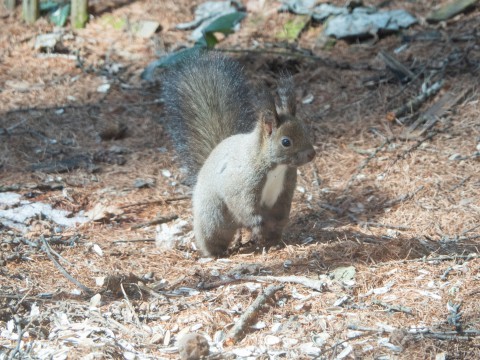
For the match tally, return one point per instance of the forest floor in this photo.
(385, 222)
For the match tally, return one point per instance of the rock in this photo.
(47, 41)
(450, 9)
(364, 22)
(145, 28)
(455, 157)
(103, 88)
(143, 183)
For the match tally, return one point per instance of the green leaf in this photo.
(60, 16)
(293, 28)
(115, 22)
(223, 24)
(450, 9)
(48, 6)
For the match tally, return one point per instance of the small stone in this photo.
(166, 173)
(95, 300)
(47, 41)
(272, 340)
(143, 183)
(455, 157)
(103, 88)
(145, 28)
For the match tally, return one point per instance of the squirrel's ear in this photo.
(269, 120)
(286, 94)
(266, 109)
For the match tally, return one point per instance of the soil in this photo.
(395, 207)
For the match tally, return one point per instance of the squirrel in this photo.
(240, 148)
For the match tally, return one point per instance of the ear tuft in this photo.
(286, 95)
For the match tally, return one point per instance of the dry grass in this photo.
(349, 209)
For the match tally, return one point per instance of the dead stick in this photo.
(461, 183)
(64, 272)
(237, 332)
(317, 285)
(374, 224)
(337, 344)
(389, 307)
(153, 202)
(415, 103)
(396, 66)
(424, 259)
(156, 221)
(364, 164)
(132, 309)
(134, 240)
(403, 197)
(82, 106)
(364, 328)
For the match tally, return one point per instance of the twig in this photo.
(134, 240)
(378, 225)
(60, 257)
(389, 307)
(154, 202)
(337, 344)
(363, 328)
(465, 335)
(396, 66)
(156, 221)
(64, 272)
(438, 109)
(471, 229)
(445, 273)
(364, 164)
(317, 285)
(332, 208)
(15, 309)
(20, 333)
(316, 179)
(461, 183)
(132, 309)
(403, 197)
(215, 284)
(9, 129)
(83, 106)
(425, 259)
(415, 103)
(237, 332)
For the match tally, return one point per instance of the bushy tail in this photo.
(207, 99)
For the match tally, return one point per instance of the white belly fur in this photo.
(274, 185)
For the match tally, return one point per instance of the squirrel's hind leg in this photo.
(214, 231)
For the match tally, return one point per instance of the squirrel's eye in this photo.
(286, 142)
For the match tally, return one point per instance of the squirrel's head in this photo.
(283, 134)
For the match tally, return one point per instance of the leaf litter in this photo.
(149, 298)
